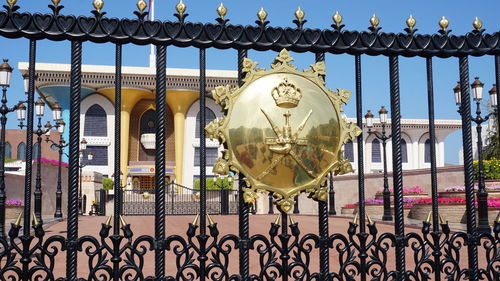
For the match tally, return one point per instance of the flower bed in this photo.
(375, 207)
(52, 162)
(412, 192)
(459, 191)
(12, 209)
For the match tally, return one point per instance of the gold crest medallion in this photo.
(283, 130)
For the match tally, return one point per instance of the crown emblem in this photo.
(286, 94)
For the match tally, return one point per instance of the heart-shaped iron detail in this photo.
(213, 31)
(152, 28)
(387, 39)
(292, 35)
(331, 37)
(43, 22)
(474, 40)
(193, 30)
(21, 21)
(350, 37)
(253, 33)
(172, 28)
(273, 34)
(368, 38)
(109, 26)
(439, 41)
(234, 32)
(422, 41)
(86, 24)
(130, 26)
(490, 40)
(312, 35)
(65, 23)
(404, 40)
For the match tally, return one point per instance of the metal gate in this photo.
(115, 253)
(179, 200)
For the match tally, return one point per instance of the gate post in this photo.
(102, 202)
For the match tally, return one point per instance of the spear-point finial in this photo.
(98, 5)
(277, 220)
(108, 221)
(35, 220)
(262, 15)
(411, 22)
(195, 221)
(11, 3)
(498, 217)
(477, 24)
(337, 18)
(370, 221)
(180, 7)
(210, 220)
(141, 5)
(299, 14)
(18, 220)
(374, 20)
(428, 219)
(443, 23)
(292, 221)
(221, 11)
(441, 220)
(122, 221)
(355, 220)
(56, 2)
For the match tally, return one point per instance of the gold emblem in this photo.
(283, 130)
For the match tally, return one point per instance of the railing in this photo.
(285, 253)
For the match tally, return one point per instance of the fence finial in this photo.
(428, 219)
(141, 5)
(122, 221)
(374, 20)
(299, 14)
(56, 2)
(477, 24)
(443, 23)
(35, 220)
(108, 221)
(210, 220)
(277, 220)
(355, 220)
(262, 15)
(98, 5)
(221, 11)
(180, 7)
(337, 18)
(11, 3)
(195, 221)
(18, 220)
(411, 22)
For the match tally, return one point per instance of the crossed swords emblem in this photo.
(284, 142)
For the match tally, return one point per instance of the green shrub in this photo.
(107, 184)
(215, 183)
(491, 169)
(9, 160)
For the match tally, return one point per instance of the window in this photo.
(404, 151)
(427, 151)
(21, 151)
(8, 150)
(100, 155)
(95, 122)
(211, 155)
(349, 151)
(209, 117)
(148, 122)
(36, 151)
(376, 151)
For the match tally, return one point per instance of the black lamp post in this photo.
(90, 156)
(482, 194)
(60, 145)
(383, 137)
(331, 199)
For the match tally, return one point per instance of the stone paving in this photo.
(226, 225)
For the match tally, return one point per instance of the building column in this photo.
(179, 102)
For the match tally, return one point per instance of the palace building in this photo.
(182, 150)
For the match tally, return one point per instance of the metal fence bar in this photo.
(161, 119)
(117, 173)
(397, 165)
(74, 146)
(497, 81)
(468, 168)
(434, 185)
(360, 141)
(203, 193)
(244, 223)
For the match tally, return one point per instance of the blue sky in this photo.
(340, 68)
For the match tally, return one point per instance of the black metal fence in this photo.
(179, 200)
(362, 254)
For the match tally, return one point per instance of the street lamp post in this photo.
(482, 194)
(90, 156)
(60, 146)
(383, 137)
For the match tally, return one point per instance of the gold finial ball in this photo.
(477, 24)
(98, 5)
(411, 22)
(146, 195)
(11, 3)
(443, 23)
(374, 21)
(221, 11)
(180, 7)
(141, 5)
(262, 15)
(337, 18)
(299, 14)
(56, 2)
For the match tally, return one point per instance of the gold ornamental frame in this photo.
(282, 129)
